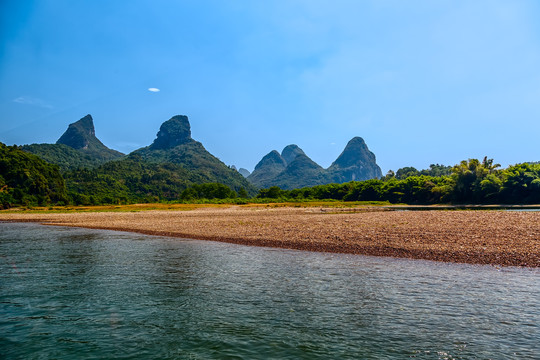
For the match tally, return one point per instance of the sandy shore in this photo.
(479, 237)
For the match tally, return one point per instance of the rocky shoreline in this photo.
(477, 237)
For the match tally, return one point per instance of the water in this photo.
(84, 294)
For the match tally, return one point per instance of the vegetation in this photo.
(192, 156)
(435, 170)
(81, 136)
(154, 176)
(25, 179)
(66, 157)
(471, 182)
(77, 148)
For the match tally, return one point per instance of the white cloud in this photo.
(27, 100)
(154, 89)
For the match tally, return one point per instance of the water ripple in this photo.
(75, 293)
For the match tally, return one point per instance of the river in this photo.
(68, 293)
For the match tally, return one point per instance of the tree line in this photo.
(26, 179)
(471, 181)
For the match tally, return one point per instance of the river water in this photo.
(70, 293)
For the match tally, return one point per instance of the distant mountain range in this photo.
(190, 162)
(294, 169)
(79, 148)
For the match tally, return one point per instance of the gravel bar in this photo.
(506, 238)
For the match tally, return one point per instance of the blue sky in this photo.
(421, 81)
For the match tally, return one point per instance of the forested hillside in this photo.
(173, 144)
(77, 148)
(26, 179)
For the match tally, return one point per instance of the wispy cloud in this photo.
(28, 100)
(154, 89)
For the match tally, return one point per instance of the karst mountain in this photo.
(78, 147)
(294, 169)
(173, 144)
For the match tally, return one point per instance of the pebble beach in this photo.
(503, 238)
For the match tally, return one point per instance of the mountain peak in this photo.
(355, 150)
(173, 132)
(290, 152)
(356, 162)
(80, 134)
(270, 166)
(273, 158)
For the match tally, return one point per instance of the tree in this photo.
(469, 175)
(242, 193)
(405, 172)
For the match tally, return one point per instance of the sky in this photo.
(423, 82)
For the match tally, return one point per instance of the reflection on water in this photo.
(75, 293)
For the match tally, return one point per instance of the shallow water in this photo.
(70, 293)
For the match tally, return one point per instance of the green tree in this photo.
(521, 184)
(273, 192)
(407, 171)
(468, 176)
(242, 193)
(25, 179)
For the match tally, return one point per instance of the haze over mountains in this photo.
(294, 169)
(79, 148)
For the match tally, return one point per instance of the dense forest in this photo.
(469, 182)
(26, 179)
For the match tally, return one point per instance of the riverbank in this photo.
(477, 237)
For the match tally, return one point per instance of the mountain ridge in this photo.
(294, 169)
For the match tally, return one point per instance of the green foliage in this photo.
(405, 172)
(81, 136)
(128, 181)
(66, 157)
(435, 170)
(521, 182)
(469, 175)
(188, 173)
(208, 191)
(472, 181)
(271, 165)
(242, 193)
(301, 172)
(77, 148)
(25, 179)
(192, 156)
(273, 192)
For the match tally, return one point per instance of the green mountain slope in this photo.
(355, 163)
(271, 165)
(301, 172)
(294, 169)
(290, 152)
(129, 180)
(67, 158)
(26, 179)
(174, 144)
(77, 148)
